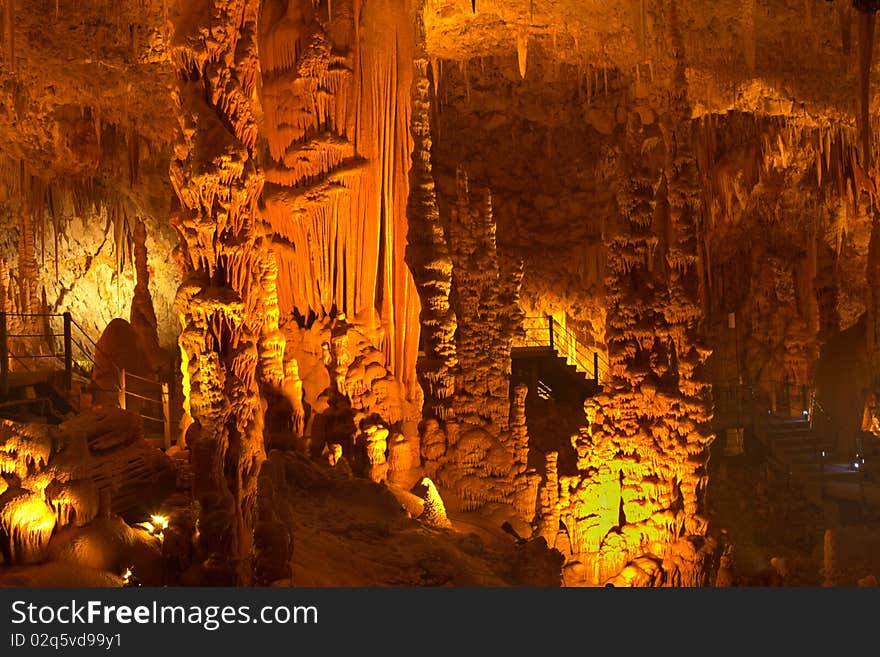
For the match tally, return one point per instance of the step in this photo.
(796, 447)
(805, 439)
(805, 468)
(791, 433)
(790, 428)
(799, 462)
(571, 368)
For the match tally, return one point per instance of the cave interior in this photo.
(439, 292)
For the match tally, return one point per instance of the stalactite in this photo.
(867, 18)
(133, 143)
(27, 522)
(337, 131)
(522, 52)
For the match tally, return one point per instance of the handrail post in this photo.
(68, 353)
(550, 326)
(861, 484)
(596, 366)
(122, 389)
(4, 356)
(166, 415)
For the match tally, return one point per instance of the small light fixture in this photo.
(156, 526)
(160, 521)
(129, 580)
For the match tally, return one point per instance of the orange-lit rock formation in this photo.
(349, 218)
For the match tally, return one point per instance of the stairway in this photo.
(549, 359)
(36, 396)
(46, 364)
(550, 376)
(795, 451)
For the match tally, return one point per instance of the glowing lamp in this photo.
(156, 526)
(161, 522)
(128, 578)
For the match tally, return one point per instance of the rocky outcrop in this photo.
(53, 477)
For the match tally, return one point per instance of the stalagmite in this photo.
(293, 391)
(434, 513)
(486, 316)
(375, 440)
(548, 500)
(480, 460)
(526, 480)
(427, 250)
(220, 245)
(143, 315)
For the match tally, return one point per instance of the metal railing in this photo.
(76, 354)
(776, 396)
(164, 400)
(762, 405)
(547, 332)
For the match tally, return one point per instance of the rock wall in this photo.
(849, 556)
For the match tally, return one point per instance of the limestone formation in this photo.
(534, 256)
(61, 474)
(434, 512)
